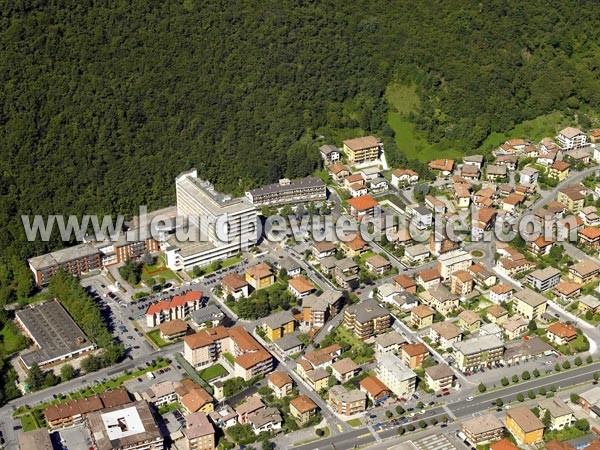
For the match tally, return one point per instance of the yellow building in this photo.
(303, 409)
(524, 426)
(529, 304)
(317, 378)
(572, 197)
(362, 149)
(421, 316)
(259, 276)
(279, 324)
(469, 320)
(559, 170)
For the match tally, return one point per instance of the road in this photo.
(460, 409)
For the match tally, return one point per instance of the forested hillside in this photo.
(101, 106)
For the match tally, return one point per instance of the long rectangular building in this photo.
(308, 189)
(54, 333)
(78, 260)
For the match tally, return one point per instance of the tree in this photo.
(504, 381)
(525, 376)
(542, 391)
(515, 378)
(566, 365)
(596, 376)
(546, 419)
(266, 445)
(553, 388)
(388, 414)
(35, 377)
(589, 359)
(422, 424)
(531, 395)
(420, 405)
(67, 372)
(520, 397)
(536, 373)
(400, 410)
(578, 362)
(320, 432)
(582, 424)
(574, 397)
(499, 402)
(532, 325)
(482, 388)
(557, 367)
(401, 431)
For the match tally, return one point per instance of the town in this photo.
(148, 341)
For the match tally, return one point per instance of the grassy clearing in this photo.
(414, 145)
(213, 372)
(158, 270)
(11, 339)
(29, 423)
(154, 336)
(403, 97)
(354, 423)
(229, 357)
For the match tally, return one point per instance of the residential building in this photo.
(515, 327)
(77, 260)
(403, 177)
(573, 197)
(321, 358)
(367, 319)
(445, 334)
(288, 345)
(528, 175)
(178, 307)
(469, 320)
(393, 373)
(405, 283)
(162, 393)
(529, 304)
(376, 391)
(300, 287)
(544, 279)
(584, 272)
(362, 149)
(355, 246)
(444, 166)
(541, 246)
(496, 314)
(524, 425)
(316, 310)
(571, 138)
(505, 444)
(495, 172)
(491, 329)
(344, 370)
(362, 207)
(590, 401)
(590, 216)
(508, 161)
(35, 440)
(421, 316)
(428, 278)
(561, 333)
(451, 262)
(210, 315)
(390, 342)
(378, 264)
(199, 432)
(417, 253)
(483, 429)
(173, 329)
(281, 383)
(413, 355)
(559, 170)
(482, 351)
(512, 201)
(310, 189)
(439, 377)
(323, 249)
(561, 416)
(259, 276)
(279, 324)
(589, 303)
(473, 160)
(339, 172)
(330, 154)
(130, 426)
(440, 299)
(198, 199)
(303, 409)
(420, 216)
(347, 402)
(266, 419)
(482, 276)
(566, 290)
(501, 293)
(234, 284)
(193, 398)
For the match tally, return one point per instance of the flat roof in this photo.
(478, 344)
(53, 330)
(63, 256)
(304, 183)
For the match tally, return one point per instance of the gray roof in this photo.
(317, 374)
(494, 169)
(473, 158)
(555, 406)
(478, 344)
(345, 264)
(265, 416)
(62, 256)
(309, 182)
(391, 338)
(544, 274)
(439, 371)
(328, 149)
(441, 293)
(590, 301)
(278, 319)
(328, 262)
(322, 302)
(422, 210)
(340, 393)
(53, 329)
(208, 313)
(367, 310)
(289, 342)
(530, 297)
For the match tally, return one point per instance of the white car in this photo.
(470, 398)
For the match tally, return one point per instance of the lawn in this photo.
(403, 97)
(212, 372)
(11, 339)
(154, 336)
(229, 357)
(231, 261)
(158, 270)
(29, 423)
(564, 434)
(354, 422)
(359, 351)
(413, 144)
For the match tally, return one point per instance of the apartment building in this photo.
(524, 426)
(367, 319)
(421, 316)
(199, 432)
(234, 284)
(544, 279)
(344, 370)
(78, 260)
(561, 333)
(529, 304)
(363, 149)
(441, 299)
(259, 276)
(281, 383)
(310, 189)
(570, 138)
(584, 272)
(363, 206)
(300, 287)
(316, 310)
(303, 409)
(572, 197)
(469, 320)
(483, 429)
(478, 352)
(178, 307)
(501, 293)
(444, 334)
(279, 324)
(413, 355)
(347, 402)
(451, 262)
(561, 415)
(439, 377)
(393, 373)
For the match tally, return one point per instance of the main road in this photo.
(459, 409)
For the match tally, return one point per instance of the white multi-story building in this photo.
(451, 262)
(570, 138)
(392, 372)
(219, 226)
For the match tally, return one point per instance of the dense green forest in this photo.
(101, 105)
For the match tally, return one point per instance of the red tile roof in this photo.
(177, 300)
(362, 203)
